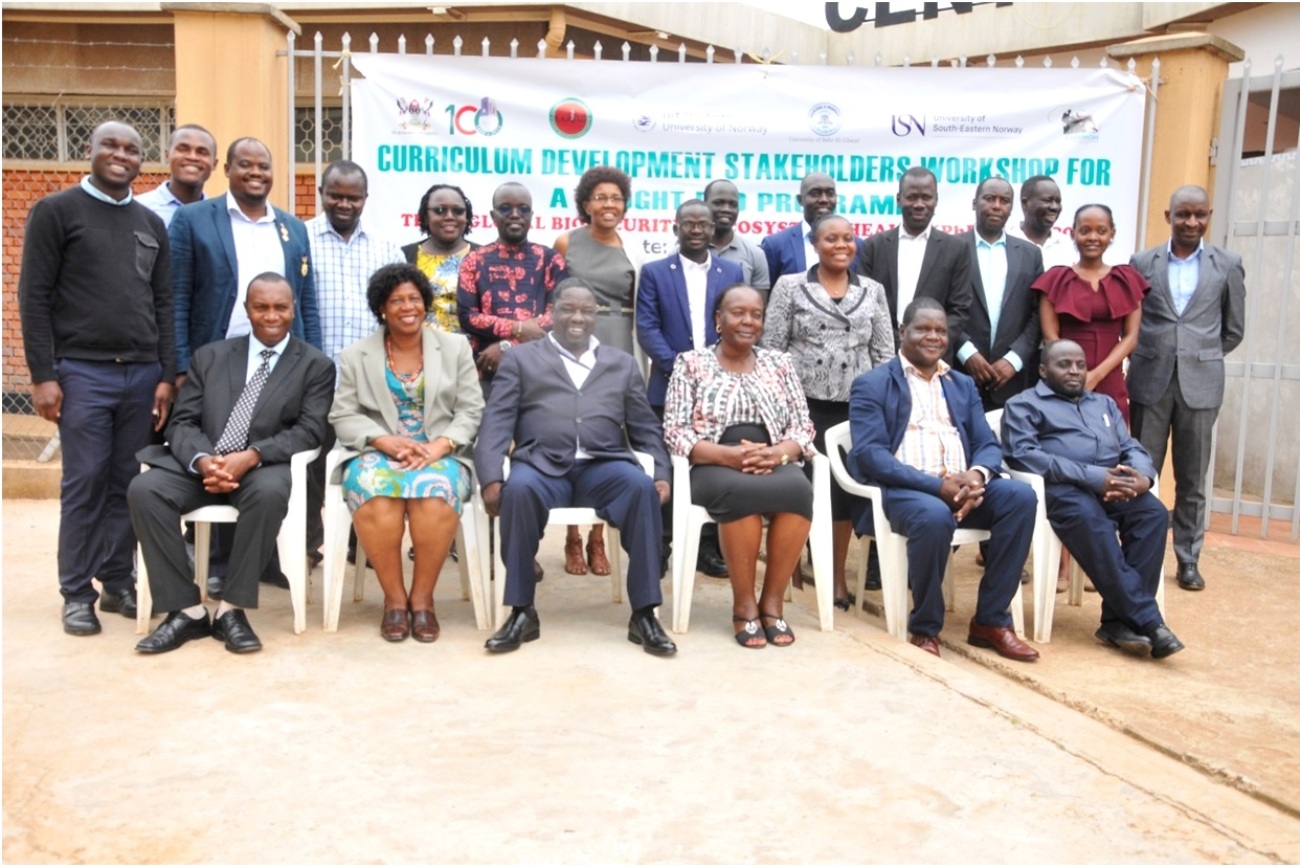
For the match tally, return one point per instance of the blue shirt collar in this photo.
(1196, 254)
(96, 192)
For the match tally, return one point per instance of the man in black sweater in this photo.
(100, 337)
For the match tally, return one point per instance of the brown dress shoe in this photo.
(1002, 639)
(396, 625)
(928, 643)
(424, 626)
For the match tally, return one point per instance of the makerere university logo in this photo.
(570, 118)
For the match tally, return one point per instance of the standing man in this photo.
(95, 299)
(1193, 317)
(345, 254)
(219, 245)
(790, 251)
(999, 348)
(723, 200)
(191, 155)
(505, 287)
(1040, 202)
(917, 260)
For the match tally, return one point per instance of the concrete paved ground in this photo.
(849, 746)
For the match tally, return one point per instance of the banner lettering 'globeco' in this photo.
(478, 122)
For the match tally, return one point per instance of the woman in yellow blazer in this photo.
(409, 400)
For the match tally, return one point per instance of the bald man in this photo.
(1193, 317)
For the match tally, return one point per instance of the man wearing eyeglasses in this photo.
(506, 286)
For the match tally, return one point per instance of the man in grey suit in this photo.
(571, 407)
(999, 347)
(1194, 315)
(917, 260)
(248, 404)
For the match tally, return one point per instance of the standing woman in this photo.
(595, 253)
(835, 325)
(445, 218)
(1096, 305)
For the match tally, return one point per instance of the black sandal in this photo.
(780, 629)
(749, 632)
(846, 604)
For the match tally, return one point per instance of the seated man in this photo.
(1098, 480)
(248, 404)
(571, 406)
(919, 433)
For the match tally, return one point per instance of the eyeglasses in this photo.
(696, 226)
(507, 210)
(444, 210)
(603, 199)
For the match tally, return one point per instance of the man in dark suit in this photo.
(219, 245)
(248, 404)
(790, 250)
(919, 433)
(571, 407)
(916, 260)
(999, 346)
(1194, 315)
(674, 314)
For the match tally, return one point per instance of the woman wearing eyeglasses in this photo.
(596, 253)
(445, 217)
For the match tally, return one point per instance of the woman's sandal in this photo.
(574, 563)
(779, 630)
(846, 604)
(749, 632)
(596, 558)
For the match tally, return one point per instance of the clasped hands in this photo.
(221, 473)
(962, 492)
(410, 454)
(1124, 483)
(989, 376)
(755, 458)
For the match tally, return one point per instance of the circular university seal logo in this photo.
(824, 118)
(570, 118)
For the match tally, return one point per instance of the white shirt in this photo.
(810, 256)
(579, 368)
(258, 249)
(1059, 249)
(697, 292)
(255, 348)
(911, 253)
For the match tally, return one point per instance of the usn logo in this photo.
(906, 124)
(414, 114)
(481, 119)
(570, 118)
(824, 119)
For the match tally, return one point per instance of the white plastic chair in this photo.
(1046, 548)
(892, 547)
(566, 516)
(292, 545)
(471, 533)
(689, 519)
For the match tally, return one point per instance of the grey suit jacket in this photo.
(945, 275)
(1195, 343)
(1018, 327)
(453, 400)
(290, 415)
(535, 404)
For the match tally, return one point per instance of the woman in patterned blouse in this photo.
(445, 218)
(836, 326)
(738, 413)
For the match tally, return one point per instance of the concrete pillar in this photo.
(1193, 67)
(231, 77)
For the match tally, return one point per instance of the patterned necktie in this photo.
(235, 436)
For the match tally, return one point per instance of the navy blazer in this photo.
(205, 274)
(663, 315)
(535, 404)
(880, 405)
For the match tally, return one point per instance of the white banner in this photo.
(479, 122)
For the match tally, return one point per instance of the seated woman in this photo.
(409, 400)
(738, 412)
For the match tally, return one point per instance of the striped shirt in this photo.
(932, 443)
(343, 269)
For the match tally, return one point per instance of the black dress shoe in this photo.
(711, 563)
(1116, 634)
(644, 629)
(79, 619)
(118, 602)
(1189, 577)
(275, 579)
(873, 569)
(522, 625)
(1163, 641)
(177, 629)
(216, 587)
(232, 628)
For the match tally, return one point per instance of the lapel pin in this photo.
(284, 234)
(304, 266)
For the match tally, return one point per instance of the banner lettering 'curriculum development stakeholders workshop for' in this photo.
(478, 122)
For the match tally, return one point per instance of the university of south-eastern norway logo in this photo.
(570, 118)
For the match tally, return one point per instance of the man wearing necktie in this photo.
(248, 405)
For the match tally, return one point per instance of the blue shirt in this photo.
(1183, 276)
(103, 196)
(1069, 441)
(163, 202)
(993, 275)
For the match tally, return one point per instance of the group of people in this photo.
(274, 337)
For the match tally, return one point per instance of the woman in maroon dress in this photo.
(1096, 305)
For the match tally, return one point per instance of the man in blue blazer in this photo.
(219, 245)
(790, 250)
(574, 411)
(670, 318)
(919, 433)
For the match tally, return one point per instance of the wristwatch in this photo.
(785, 457)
